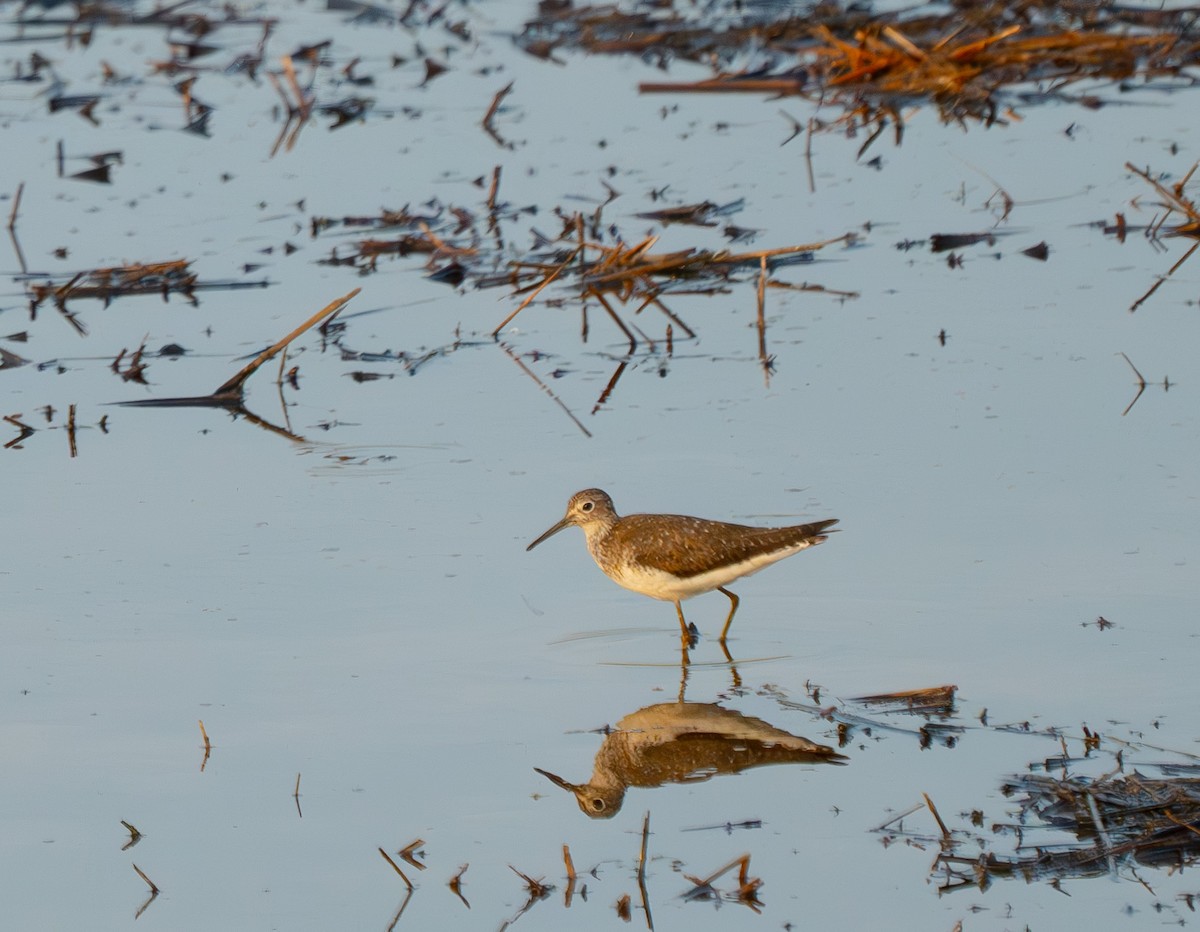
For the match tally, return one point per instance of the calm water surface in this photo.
(357, 607)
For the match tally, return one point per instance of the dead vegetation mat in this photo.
(973, 61)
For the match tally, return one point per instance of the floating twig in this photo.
(16, 206)
(207, 746)
(930, 700)
(493, 191)
(25, 429)
(570, 866)
(762, 319)
(537, 888)
(134, 835)
(150, 883)
(642, 850)
(230, 394)
(488, 126)
(71, 431)
(456, 882)
(235, 385)
(409, 852)
(641, 859)
(937, 818)
(747, 892)
(153, 892)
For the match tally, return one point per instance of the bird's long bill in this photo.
(556, 780)
(565, 522)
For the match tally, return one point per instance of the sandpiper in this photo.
(674, 557)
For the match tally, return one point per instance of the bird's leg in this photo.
(733, 604)
(737, 677)
(685, 637)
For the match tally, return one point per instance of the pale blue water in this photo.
(359, 607)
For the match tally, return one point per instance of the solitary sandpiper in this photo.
(674, 557)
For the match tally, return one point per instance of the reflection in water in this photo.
(230, 395)
(684, 742)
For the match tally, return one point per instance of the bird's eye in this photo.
(598, 805)
(587, 506)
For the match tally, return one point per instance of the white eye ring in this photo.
(586, 506)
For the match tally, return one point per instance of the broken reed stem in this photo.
(641, 870)
(296, 791)
(134, 835)
(185, 91)
(455, 884)
(784, 250)
(71, 431)
(1180, 822)
(937, 817)
(287, 104)
(536, 291)
(204, 735)
(675, 319)
(612, 383)
(493, 189)
(396, 868)
(1175, 199)
(569, 892)
(905, 44)
(491, 111)
(150, 883)
(582, 233)
(762, 308)
(616, 320)
(1171, 271)
(289, 70)
(742, 860)
(234, 385)
(812, 181)
(408, 852)
(12, 216)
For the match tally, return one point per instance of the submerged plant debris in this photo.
(588, 261)
(107, 284)
(1073, 826)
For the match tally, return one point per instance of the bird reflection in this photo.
(683, 742)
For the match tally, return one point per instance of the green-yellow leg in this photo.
(733, 604)
(685, 641)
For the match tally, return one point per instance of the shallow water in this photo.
(357, 607)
